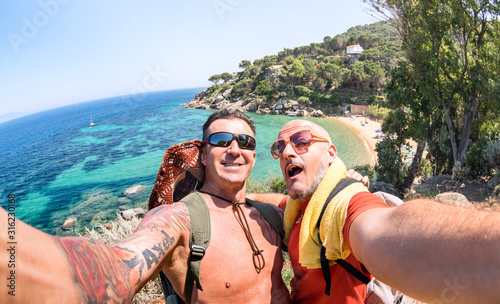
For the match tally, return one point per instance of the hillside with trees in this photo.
(321, 75)
(430, 71)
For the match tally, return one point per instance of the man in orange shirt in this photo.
(429, 251)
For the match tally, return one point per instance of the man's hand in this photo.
(356, 175)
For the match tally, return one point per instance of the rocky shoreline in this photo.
(284, 106)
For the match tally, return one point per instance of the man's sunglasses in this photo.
(298, 140)
(224, 139)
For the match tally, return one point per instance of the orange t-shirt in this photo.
(308, 285)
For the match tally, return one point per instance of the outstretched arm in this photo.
(432, 252)
(74, 270)
(275, 198)
(269, 198)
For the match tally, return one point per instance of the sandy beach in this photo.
(366, 132)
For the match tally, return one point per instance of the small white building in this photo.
(353, 50)
(275, 69)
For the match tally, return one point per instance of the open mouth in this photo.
(294, 170)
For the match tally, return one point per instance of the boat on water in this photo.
(91, 122)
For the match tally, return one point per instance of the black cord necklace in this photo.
(258, 258)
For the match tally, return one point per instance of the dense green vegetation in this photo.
(320, 74)
(444, 94)
(430, 71)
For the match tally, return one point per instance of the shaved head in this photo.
(304, 168)
(307, 125)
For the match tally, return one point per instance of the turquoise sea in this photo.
(58, 166)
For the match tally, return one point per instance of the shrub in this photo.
(491, 155)
(302, 91)
(474, 164)
(424, 169)
(377, 112)
(242, 88)
(366, 169)
(390, 167)
(303, 99)
(272, 184)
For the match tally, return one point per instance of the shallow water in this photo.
(57, 166)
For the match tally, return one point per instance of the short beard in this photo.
(318, 177)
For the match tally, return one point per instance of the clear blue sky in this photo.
(59, 52)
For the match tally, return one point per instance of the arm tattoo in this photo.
(102, 272)
(175, 216)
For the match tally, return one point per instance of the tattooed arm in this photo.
(72, 270)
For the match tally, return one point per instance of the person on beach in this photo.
(430, 251)
(242, 264)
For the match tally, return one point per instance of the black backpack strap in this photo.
(271, 214)
(354, 271)
(168, 290)
(325, 267)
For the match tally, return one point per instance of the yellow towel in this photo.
(333, 219)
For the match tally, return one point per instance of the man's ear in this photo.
(332, 153)
(203, 157)
(254, 155)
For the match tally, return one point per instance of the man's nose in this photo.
(288, 151)
(234, 148)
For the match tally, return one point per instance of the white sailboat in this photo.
(91, 122)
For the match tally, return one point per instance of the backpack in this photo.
(376, 291)
(200, 239)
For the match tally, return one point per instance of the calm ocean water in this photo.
(57, 166)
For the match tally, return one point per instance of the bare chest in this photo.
(231, 266)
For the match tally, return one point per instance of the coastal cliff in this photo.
(283, 106)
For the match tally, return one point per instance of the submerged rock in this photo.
(134, 190)
(69, 223)
(135, 212)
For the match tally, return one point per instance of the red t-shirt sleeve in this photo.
(358, 204)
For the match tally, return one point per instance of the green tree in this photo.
(375, 73)
(264, 89)
(242, 87)
(333, 73)
(244, 64)
(412, 117)
(390, 167)
(226, 76)
(452, 50)
(215, 79)
(358, 75)
(297, 71)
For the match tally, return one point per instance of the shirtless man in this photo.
(81, 270)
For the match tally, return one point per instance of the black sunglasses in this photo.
(224, 139)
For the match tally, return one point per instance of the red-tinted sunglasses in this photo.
(298, 140)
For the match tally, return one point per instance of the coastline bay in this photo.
(57, 166)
